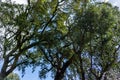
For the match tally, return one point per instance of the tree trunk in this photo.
(81, 67)
(59, 75)
(60, 72)
(2, 76)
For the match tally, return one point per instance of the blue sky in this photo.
(34, 76)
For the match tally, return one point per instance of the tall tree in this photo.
(86, 44)
(69, 38)
(22, 28)
(94, 40)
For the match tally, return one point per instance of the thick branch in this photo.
(60, 72)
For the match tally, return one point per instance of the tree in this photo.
(95, 42)
(61, 37)
(85, 47)
(22, 28)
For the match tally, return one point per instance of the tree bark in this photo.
(2, 76)
(59, 75)
(81, 67)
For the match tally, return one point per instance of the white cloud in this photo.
(20, 1)
(115, 2)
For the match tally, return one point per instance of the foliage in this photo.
(91, 41)
(93, 33)
(23, 28)
(67, 38)
(12, 76)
